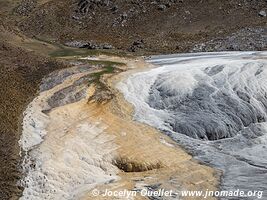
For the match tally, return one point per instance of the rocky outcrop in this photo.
(137, 45)
(89, 45)
(85, 6)
(26, 6)
(247, 39)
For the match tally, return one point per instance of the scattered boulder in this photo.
(262, 13)
(162, 7)
(115, 8)
(247, 39)
(88, 45)
(138, 44)
(107, 46)
(75, 17)
(106, 2)
(77, 44)
(84, 6)
(26, 6)
(121, 20)
(93, 45)
(124, 16)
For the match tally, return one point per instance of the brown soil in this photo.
(20, 74)
(176, 29)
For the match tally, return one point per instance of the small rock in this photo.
(92, 45)
(114, 8)
(124, 15)
(138, 44)
(168, 4)
(162, 7)
(75, 18)
(107, 46)
(77, 44)
(106, 2)
(262, 13)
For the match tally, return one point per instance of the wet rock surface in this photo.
(73, 146)
(58, 77)
(70, 94)
(211, 111)
(214, 105)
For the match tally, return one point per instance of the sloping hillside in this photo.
(151, 26)
(20, 73)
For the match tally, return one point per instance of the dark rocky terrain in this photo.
(161, 25)
(138, 26)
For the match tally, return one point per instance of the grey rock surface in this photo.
(162, 7)
(77, 44)
(247, 39)
(262, 13)
(214, 105)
